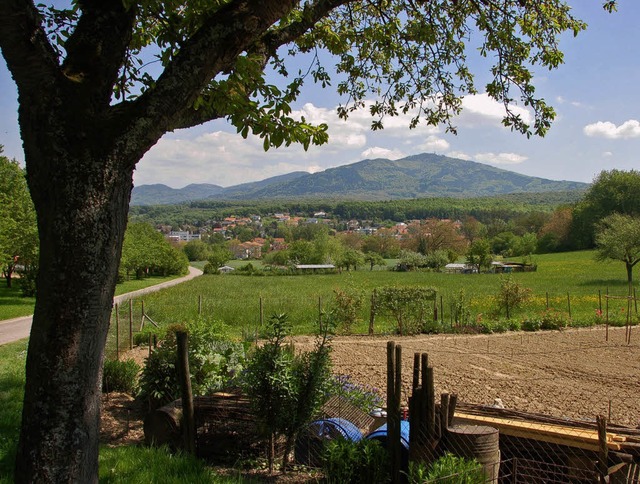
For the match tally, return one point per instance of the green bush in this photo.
(448, 469)
(214, 362)
(120, 376)
(286, 388)
(346, 307)
(510, 296)
(363, 462)
(553, 319)
(531, 324)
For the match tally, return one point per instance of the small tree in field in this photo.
(618, 238)
(511, 295)
(479, 254)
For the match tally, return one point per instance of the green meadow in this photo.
(568, 282)
(13, 305)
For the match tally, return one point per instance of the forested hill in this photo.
(418, 176)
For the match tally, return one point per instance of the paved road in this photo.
(19, 328)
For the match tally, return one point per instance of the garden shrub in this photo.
(485, 326)
(553, 319)
(511, 295)
(503, 325)
(346, 307)
(412, 307)
(361, 462)
(27, 280)
(514, 324)
(461, 309)
(531, 324)
(214, 363)
(286, 388)
(120, 376)
(448, 469)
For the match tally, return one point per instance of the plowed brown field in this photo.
(573, 373)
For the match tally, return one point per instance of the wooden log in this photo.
(453, 400)
(163, 427)
(431, 405)
(444, 414)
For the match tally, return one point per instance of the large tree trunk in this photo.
(81, 198)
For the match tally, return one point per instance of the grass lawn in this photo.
(13, 305)
(568, 281)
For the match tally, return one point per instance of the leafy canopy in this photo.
(391, 57)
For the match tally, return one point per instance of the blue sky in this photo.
(595, 94)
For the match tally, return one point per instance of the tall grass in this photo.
(568, 281)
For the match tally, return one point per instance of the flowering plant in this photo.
(364, 397)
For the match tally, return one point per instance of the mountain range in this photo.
(417, 176)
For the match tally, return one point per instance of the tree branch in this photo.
(212, 50)
(32, 61)
(97, 47)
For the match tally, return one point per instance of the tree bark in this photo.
(81, 198)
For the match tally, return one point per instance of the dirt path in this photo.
(19, 328)
(574, 373)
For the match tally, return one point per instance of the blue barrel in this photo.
(309, 445)
(380, 434)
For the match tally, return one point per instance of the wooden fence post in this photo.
(603, 453)
(394, 385)
(372, 315)
(600, 301)
(261, 313)
(606, 322)
(130, 324)
(188, 426)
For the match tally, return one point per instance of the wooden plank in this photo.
(580, 438)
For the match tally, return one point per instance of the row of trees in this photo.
(18, 229)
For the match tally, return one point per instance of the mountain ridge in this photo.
(416, 176)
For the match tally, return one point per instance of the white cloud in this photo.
(607, 154)
(461, 155)
(481, 110)
(433, 144)
(378, 152)
(606, 129)
(500, 158)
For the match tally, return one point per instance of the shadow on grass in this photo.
(604, 283)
